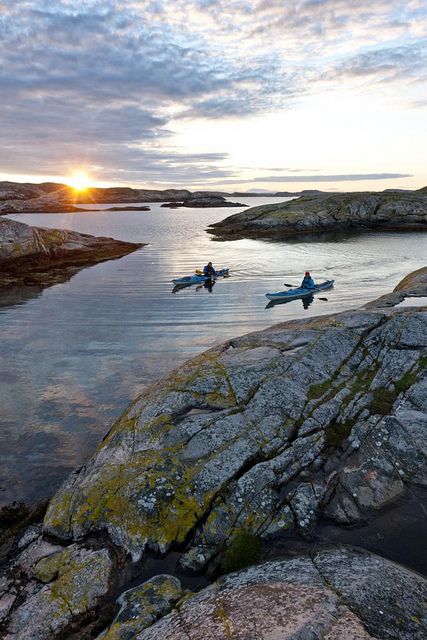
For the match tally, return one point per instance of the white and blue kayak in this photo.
(300, 292)
(199, 278)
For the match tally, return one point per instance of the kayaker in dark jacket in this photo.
(209, 271)
(308, 282)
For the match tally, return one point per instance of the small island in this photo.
(329, 212)
(39, 256)
(203, 202)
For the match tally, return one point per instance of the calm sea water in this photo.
(76, 354)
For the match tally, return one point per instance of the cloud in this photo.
(351, 177)
(105, 81)
(386, 65)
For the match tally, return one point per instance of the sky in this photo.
(275, 95)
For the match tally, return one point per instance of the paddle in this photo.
(314, 291)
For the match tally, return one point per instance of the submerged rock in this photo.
(329, 212)
(34, 255)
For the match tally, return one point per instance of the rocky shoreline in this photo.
(59, 198)
(36, 256)
(326, 212)
(271, 432)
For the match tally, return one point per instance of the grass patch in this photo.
(382, 401)
(336, 433)
(405, 381)
(244, 550)
(317, 390)
(364, 380)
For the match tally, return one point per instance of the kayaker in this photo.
(308, 282)
(209, 271)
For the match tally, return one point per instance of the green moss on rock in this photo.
(336, 433)
(243, 551)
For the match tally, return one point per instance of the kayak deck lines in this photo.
(199, 278)
(299, 292)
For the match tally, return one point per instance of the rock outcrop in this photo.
(141, 606)
(336, 594)
(56, 589)
(329, 212)
(37, 256)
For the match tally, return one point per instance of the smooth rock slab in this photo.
(340, 594)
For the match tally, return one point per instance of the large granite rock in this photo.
(269, 431)
(337, 594)
(33, 255)
(328, 212)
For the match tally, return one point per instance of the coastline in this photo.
(57, 538)
(326, 213)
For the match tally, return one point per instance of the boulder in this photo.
(66, 586)
(141, 606)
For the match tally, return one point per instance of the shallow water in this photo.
(420, 301)
(74, 355)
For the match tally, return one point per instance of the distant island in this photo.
(388, 210)
(52, 197)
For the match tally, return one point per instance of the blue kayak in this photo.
(199, 279)
(294, 294)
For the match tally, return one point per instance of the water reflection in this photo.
(306, 302)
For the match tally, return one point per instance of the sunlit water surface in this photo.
(74, 356)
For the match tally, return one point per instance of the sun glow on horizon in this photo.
(79, 181)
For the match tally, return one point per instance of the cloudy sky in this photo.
(234, 94)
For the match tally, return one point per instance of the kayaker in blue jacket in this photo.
(209, 271)
(308, 282)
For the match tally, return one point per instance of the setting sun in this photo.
(80, 181)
